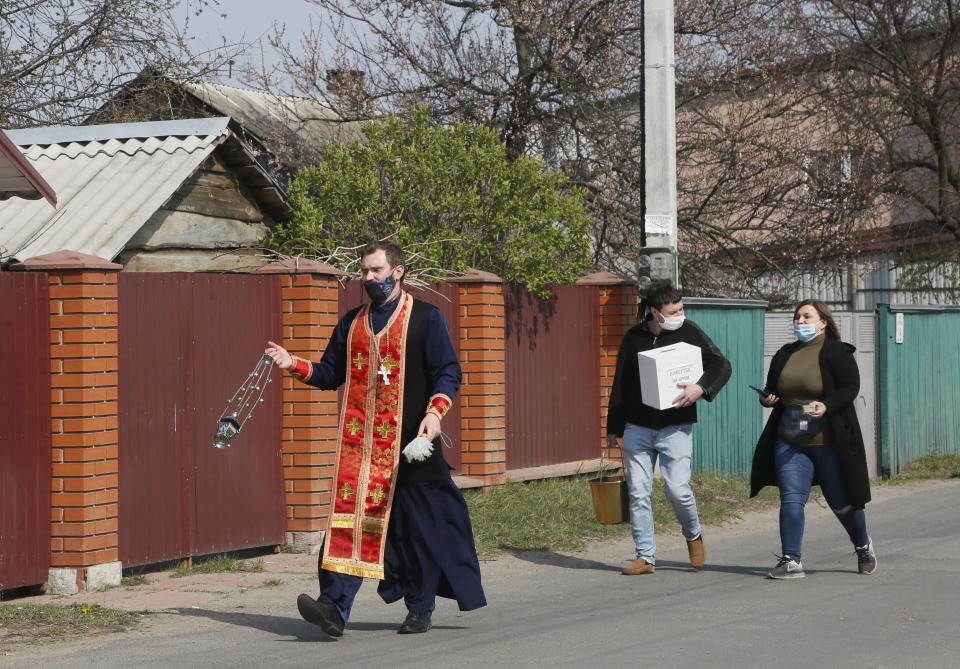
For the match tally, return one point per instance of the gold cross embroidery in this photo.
(353, 427)
(360, 360)
(389, 362)
(377, 494)
(384, 430)
(346, 490)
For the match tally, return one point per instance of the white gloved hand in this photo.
(418, 450)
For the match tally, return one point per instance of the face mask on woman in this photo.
(805, 331)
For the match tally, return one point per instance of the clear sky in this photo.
(245, 20)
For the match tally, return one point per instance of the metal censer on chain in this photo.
(240, 407)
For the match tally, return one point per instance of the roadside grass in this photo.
(558, 515)
(548, 515)
(929, 467)
(38, 623)
(719, 499)
(217, 564)
(35, 623)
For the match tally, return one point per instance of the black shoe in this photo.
(866, 558)
(415, 623)
(321, 612)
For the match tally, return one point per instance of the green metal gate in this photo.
(918, 348)
(727, 428)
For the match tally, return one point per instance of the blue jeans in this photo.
(674, 446)
(796, 467)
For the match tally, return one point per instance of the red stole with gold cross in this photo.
(369, 444)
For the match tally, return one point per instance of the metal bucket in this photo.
(610, 499)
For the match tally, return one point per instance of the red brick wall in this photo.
(618, 313)
(309, 297)
(84, 396)
(482, 399)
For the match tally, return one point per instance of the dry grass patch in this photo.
(37, 623)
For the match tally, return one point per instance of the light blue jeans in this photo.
(674, 446)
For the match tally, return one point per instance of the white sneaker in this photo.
(787, 567)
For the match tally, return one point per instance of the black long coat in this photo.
(841, 383)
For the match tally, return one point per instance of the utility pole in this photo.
(657, 258)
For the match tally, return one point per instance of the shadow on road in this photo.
(574, 562)
(292, 626)
(668, 565)
(559, 560)
(374, 627)
(743, 570)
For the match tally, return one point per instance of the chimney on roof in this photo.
(347, 87)
(346, 83)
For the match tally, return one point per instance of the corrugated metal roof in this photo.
(110, 180)
(64, 134)
(291, 127)
(18, 178)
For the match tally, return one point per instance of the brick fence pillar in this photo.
(618, 313)
(309, 295)
(482, 395)
(84, 397)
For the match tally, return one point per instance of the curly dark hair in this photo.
(661, 293)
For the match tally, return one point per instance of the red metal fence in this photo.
(446, 297)
(25, 469)
(552, 376)
(187, 341)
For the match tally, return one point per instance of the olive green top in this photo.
(800, 382)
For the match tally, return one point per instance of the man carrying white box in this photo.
(665, 364)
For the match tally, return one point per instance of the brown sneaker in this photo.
(697, 551)
(638, 566)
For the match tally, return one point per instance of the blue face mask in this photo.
(805, 331)
(380, 290)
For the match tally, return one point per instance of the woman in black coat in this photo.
(813, 437)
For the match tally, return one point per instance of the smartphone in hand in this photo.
(759, 390)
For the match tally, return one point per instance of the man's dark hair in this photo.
(393, 252)
(661, 293)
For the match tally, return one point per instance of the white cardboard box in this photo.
(661, 369)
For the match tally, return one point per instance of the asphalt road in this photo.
(577, 610)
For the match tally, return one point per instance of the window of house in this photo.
(833, 174)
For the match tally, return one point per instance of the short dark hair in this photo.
(661, 293)
(833, 332)
(393, 252)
